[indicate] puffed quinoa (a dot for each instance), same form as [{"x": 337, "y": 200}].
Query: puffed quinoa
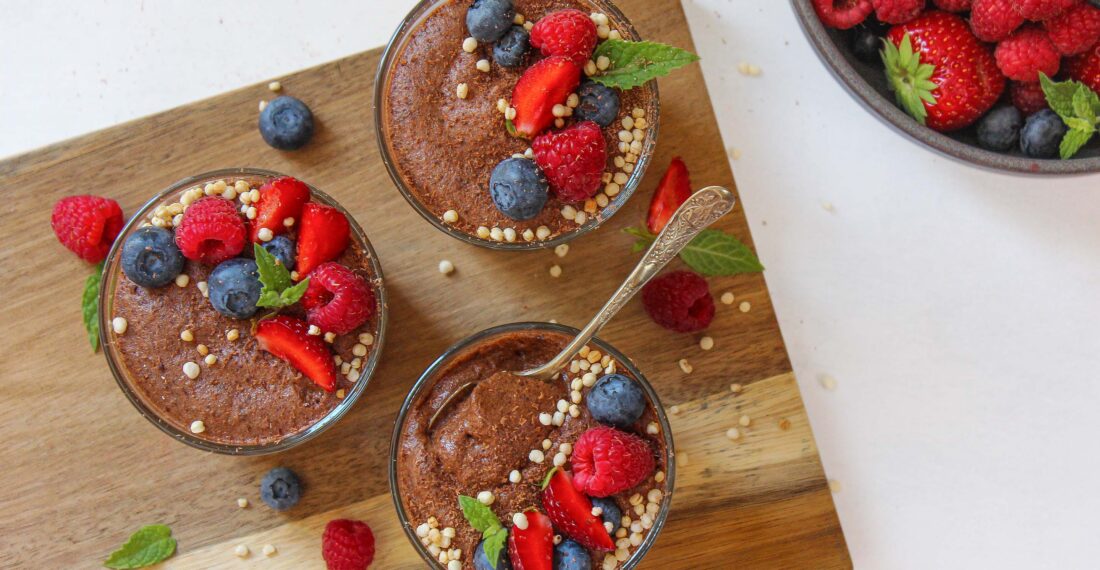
[
  {"x": 233, "y": 334},
  {"x": 450, "y": 216},
  {"x": 197, "y": 426},
  {"x": 469, "y": 45},
  {"x": 119, "y": 325},
  {"x": 446, "y": 267},
  {"x": 462, "y": 90}
]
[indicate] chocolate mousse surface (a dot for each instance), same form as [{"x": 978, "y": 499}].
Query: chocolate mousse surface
[
  {"x": 479, "y": 440},
  {"x": 248, "y": 396},
  {"x": 444, "y": 147}
]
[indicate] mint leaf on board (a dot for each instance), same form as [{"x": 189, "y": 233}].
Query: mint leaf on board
[
  {"x": 149, "y": 545},
  {"x": 711, "y": 253},
  {"x": 89, "y": 306},
  {"x": 478, "y": 515},
  {"x": 634, "y": 63},
  {"x": 278, "y": 289},
  {"x": 494, "y": 540}
]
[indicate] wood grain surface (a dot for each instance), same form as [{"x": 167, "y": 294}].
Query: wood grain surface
[{"x": 82, "y": 470}]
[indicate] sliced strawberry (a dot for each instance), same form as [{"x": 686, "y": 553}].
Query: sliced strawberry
[
  {"x": 673, "y": 190},
  {"x": 323, "y": 235},
  {"x": 288, "y": 338},
  {"x": 571, "y": 512},
  {"x": 532, "y": 548},
  {"x": 545, "y": 84},
  {"x": 280, "y": 199}
]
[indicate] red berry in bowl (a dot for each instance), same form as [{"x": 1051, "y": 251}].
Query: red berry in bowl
[
  {"x": 280, "y": 199},
  {"x": 573, "y": 160},
  {"x": 545, "y": 84},
  {"x": 211, "y": 231},
  {"x": 1039, "y": 10},
  {"x": 953, "y": 5},
  {"x": 608, "y": 461},
  {"x": 679, "y": 301},
  {"x": 1027, "y": 96},
  {"x": 323, "y": 235},
  {"x": 994, "y": 20},
  {"x": 337, "y": 299},
  {"x": 1076, "y": 30},
  {"x": 897, "y": 11},
  {"x": 347, "y": 545},
  {"x": 843, "y": 14},
  {"x": 1027, "y": 53},
  {"x": 1085, "y": 68},
  {"x": 571, "y": 512},
  {"x": 570, "y": 33},
  {"x": 87, "y": 225},
  {"x": 288, "y": 338}
]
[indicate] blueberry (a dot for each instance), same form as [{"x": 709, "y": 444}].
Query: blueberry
[
  {"x": 286, "y": 123},
  {"x": 518, "y": 188},
  {"x": 151, "y": 258},
  {"x": 487, "y": 20},
  {"x": 569, "y": 555},
  {"x": 509, "y": 51},
  {"x": 481, "y": 561},
  {"x": 866, "y": 45},
  {"x": 599, "y": 103},
  {"x": 611, "y": 512},
  {"x": 999, "y": 130},
  {"x": 616, "y": 400},
  {"x": 234, "y": 288},
  {"x": 1042, "y": 134},
  {"x": 280, "y": 489},
  {"x": 282, "y": 248}
]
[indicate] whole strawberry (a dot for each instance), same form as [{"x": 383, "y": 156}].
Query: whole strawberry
[
  {"x": 1076, "y": 30},
  {"x": 570, "y": 33},
  {"x": 347, "y": 545},
  {"x": 949, "y": 79},
  {"x": 994, "y": 20},
  {"x": 1085, "y": 68},
  {"x": 842, "y": 14},
  {"x": 608, "y": 461},
  {"x": 1027, "y": 53},
  {"x": 897, "y": 11},
  {"x": 87, "y": 225},
  {"x": 573, "y": 160}
]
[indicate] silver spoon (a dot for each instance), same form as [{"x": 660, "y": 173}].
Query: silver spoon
[{"x": 702, "y": 209}]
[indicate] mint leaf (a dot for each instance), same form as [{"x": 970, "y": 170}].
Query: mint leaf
[
  {"x": 278, "y": 289},
  {"x": 89, "y": 306},
  {"x": 712, "y": 252},
  {"x": 1059, "y": 95},
  {"x": 634, "y": 63},
  {"x": 1083, "y": 101},
  {"x": 644, "y": 238},
  {"x": 147, "y": 546},
  {"x": 478, "y": 515},
  {"x": 494, "y": 540},
  {"x": 1072, "y": 142}
]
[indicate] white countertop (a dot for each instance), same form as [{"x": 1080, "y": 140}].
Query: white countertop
[{"x": 957, "y": 309}]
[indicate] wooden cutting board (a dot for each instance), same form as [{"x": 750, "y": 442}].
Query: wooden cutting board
[{"x": 82, "y": 470}]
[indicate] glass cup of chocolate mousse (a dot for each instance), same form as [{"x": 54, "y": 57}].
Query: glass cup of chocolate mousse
[
  {"x": 535, "y": 453},
  {"x": 456, "y": 144},
  {"x": 217, "y": 355}
]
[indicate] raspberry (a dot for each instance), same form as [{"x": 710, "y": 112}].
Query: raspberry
[
  {"x": 897, "y": 11},
  {"x": 1027, "y": 52},
  {"x": 843, "y": 14},
  {"x": 1028, "y": 97},
  {"x": 1076, "y": 30},
  {"x": 994, "y": 20},
  {"x": 569, "y": 33},
  {"x": 952, "y": 5},
  {"x": 87, "y": 225},
  {"x": 607, "y": 461},
  {"x": 573, "y": 160},
  {"x": 1085, "y": 68},
  {"x": 679, "y": 301},
  {"x": 337, "y": 299},
  {"x": 1040, "y": 10},
  {"x": 211, "y": 231},
  {"x": 347, "y": 545}
]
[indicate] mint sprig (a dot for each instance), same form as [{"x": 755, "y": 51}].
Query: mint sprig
[
  {"x": 89, "y": 306},
  {"x": 482, "y": 518},
  {"x": 1079, "y": 108},
  {"x": 149, "y": 545},
  {"x": 711, "y": 253},
  {"x": 634, "y": 63},
  {"x": 278, "y": 289}
]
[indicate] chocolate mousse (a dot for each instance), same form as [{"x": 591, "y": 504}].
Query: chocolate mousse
[
  {"x": 502, "y": 438},
  {"x": 443, "y": 115},
  {"x": 208, "y": 374}
]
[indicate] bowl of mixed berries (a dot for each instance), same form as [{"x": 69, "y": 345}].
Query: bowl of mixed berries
[{"x": 1004, "y": 84}]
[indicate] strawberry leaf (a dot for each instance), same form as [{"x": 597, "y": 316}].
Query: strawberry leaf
[
  {"x": 635, "y": 63},
  {"x": 909, "y": 79},
  {"x": 277, "y": 291},
  {"x": 89, "y": 306},
  {"x": 149, "y": 545}
]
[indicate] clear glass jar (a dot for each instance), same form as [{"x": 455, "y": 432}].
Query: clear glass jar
[
  {"x": 111, "y": 276},
  {"x": 428, "y": 379},
  {"x": 422, "y": 10}
]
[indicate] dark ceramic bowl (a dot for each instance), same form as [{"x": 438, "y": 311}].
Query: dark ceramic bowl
[{"x": 867, "y": 84}]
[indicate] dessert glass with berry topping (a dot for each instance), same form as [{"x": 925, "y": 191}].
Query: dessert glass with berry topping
[
  {"x": 494, "y": 124},
  {"x": 521, "y": 472},
  {"x": 242, "y": 311}
]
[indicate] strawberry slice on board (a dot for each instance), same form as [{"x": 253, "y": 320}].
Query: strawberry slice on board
[
  {"x": 532, "y": 548},
  {"x": 672, "y": 191},
  {"x": 288, "y": 338},
  {"x": 545, "y": 84},
  {"x": 571, "y": 512},
  {"x": 280, "y": 199},
  {"x": 323, "y": 235}
]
